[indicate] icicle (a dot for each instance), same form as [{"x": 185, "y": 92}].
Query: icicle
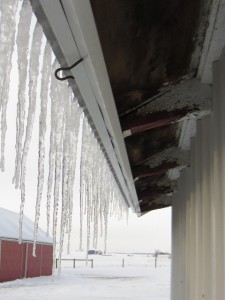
[
  {"x": 59, "y": 125},
  {"x": 74, "y": 133},
  {"x": 45, "y": 80},
  {"x": 84, "y": 165},
  {"x": 65, "y": 174},
  {"x": 52, "y": 150},
  {"x": 33, "y": 76},
  {"x": 105, "y": 210},
  {"x": 7, "y": 40},
  {"x": 101, "y": 194},
  {"x": 95, "y": 178},
  {"x": 54, "y": 94},
  {"x": 71, "y": 129},
  {"x": 22, "y": 51},
  {"x": 85, "y": 179},
  {"x": 81, "y": 186},
  {"x": 69, "y": 166}
]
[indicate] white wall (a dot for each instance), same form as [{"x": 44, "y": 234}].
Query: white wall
[{"x": 198, "y": 210}]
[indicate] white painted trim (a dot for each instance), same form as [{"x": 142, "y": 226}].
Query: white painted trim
[
  {"x": 23, "y": 241},
  {"x": 214, "y": 41},
  {"x": 127, "y": 133}
]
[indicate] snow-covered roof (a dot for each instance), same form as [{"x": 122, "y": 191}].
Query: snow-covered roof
[{"x": 9, "y": 228}]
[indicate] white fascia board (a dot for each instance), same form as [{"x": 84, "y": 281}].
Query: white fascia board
[
  {"x": 214, "y": 41},
  {"x": 82, "y": 24},
  {"x": 75, "y": 33}
]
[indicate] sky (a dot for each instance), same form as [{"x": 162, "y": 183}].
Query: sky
[{"x": 140, "y": 234}]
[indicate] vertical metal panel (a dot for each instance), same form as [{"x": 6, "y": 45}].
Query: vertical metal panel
[
  {"x": 208, "y": 277},
  {"x": 199, "y": 215},
  {"x": 204, "y": 233},
  {"x": 188, "y": 233},
  {"x": 192, "y": 225},
  {"x": 218, "y": 174},
  {"x": 174, "y": 272}
]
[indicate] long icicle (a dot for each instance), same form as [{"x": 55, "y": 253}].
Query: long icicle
[
  {"x": 65, "y": 174},
  {"x": 81, "y": 184},
  {"x": 60, "y": 123},
  {"x": 52, "y": 150},
  {"x": 95, "y": 194},
  {"x": 74, "y": 133},
  {"x": 33, "y": 76},
  {"x": 45, "y": 80},
  {"x": 7, "y": 38},
  {"x": 22, "y": 52}
]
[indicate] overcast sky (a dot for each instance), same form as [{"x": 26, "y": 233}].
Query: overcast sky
[{"x": 142, "y": 234}]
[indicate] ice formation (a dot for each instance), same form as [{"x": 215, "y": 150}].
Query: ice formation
[
  {"x": 7, "y": 37},
  {"x": 33, "y": 77},
  {"x": 22, "y": 54},
  {"x": 45, "y": 84},
  {"x": 53, "y": 95},
  {"x": 99, "y": 194}
]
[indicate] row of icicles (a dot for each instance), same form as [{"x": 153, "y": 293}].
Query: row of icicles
[{"x": 99, "y": 193}]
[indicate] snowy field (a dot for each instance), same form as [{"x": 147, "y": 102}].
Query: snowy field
[{"x": 138, "y": 280}]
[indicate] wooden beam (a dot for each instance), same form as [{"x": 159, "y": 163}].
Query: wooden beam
[
  {"x": 135, "y": 123},
  {"x": 143, "y": 125},
  {"x": 143, "y": 171},
  {"x": 142, "y": 147}
]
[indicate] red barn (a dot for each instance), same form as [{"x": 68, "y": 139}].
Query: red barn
[{"x": 16, "y": 260}]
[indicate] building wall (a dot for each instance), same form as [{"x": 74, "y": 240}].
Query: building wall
[
  {"x": 16, "y": 260},
  {"x": 198, "y": 210}
]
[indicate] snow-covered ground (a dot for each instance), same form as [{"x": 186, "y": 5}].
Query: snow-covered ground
[{"x": 138, "y": 280}]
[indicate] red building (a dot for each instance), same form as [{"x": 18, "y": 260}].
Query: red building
[{"x": 16, "y": 260}]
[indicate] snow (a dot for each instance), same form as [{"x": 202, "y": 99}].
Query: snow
[
  {"x": 139, "y": 279},
  {"x": 9, "y": 228}
]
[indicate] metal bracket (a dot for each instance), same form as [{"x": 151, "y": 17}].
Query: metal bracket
[{"x": 67, "y": 69}]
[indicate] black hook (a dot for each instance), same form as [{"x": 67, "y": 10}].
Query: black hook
[{"x": 67, "y": 69}]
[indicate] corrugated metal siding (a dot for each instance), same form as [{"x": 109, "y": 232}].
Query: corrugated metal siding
[
  {"x": 46, "y": 265},
  {"x": 17, "y": 261},
  {"x": 34, "y": 263},
  {"x": 12, "y": 261}
]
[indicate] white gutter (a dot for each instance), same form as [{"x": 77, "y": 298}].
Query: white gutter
[{"x": 70, "y": 27}]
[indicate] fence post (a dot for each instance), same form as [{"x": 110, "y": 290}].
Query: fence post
[
  {"x": 123, "y": 263},
  {"x": 92, "y": 263},
  {"x": 56, "y": 263},
  {"x": 74, "y": 263},
  {"x": 156, "y": 261}
]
